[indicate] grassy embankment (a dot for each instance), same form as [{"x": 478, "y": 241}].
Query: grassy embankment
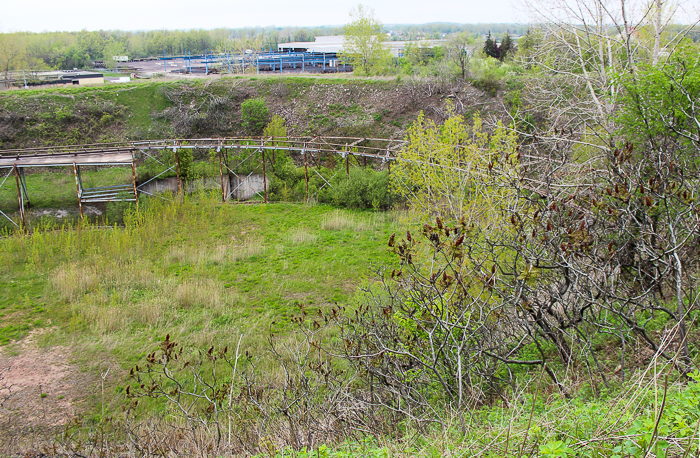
[
  {"x": 207, "y": 273},
  {"x": 338, "y": 106},
  {"x": 200, "y": 270},
  {"x": 204, "y": 272}
]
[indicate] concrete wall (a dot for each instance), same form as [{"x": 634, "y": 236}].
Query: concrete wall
[
  {"x": 160, "y": 186},
  {"x": 244, "y": 188}
]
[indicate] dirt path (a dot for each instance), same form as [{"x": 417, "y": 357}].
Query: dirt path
[{"x": 38, "y": 386}]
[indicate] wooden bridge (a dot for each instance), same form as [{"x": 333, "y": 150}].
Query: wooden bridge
[{"x": 310, "y": 149}]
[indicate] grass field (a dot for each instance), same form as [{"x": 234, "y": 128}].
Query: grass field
[
  {"x": 209, "y": 273},
  {"x": 199, "y": 270}
]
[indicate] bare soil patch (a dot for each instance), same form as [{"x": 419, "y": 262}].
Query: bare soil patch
[{"x": 39, "y": 387}]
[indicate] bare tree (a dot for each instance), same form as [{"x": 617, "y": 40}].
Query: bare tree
[
  {"x": 581, "y": 49},
  {"x": 195, "y": 108}
]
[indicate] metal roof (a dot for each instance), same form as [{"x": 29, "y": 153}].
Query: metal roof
[{"x": 334, "y": 44}]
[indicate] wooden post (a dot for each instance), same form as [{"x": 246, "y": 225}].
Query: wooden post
[
  {"x": 347, "y": 165},
  {"x": 21, "y": 201},
  {"x": 77, "y": 187},
  {"x": 221, "y": 173},
  {"x": 264, "y": 175},
  {"x": 306, "y": 178}
]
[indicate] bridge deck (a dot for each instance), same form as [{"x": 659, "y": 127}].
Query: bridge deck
[
  {"x": 116, "y": 157},
  {"x": 372, "y": 148},
  {"x": 129, "y": 153}
]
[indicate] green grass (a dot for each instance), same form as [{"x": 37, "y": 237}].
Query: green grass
[
  {"x": 57, "y": 189},
  {"x": 52, "y": 115},
  {"x": 74, "y": 115},
  {"x": 199, "y": 270},
  {"x": 207, "y": 273}
]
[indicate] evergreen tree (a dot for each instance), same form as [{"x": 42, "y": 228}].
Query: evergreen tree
[
  {"x": 490, "y": 48},
  {"x": 506, "y": 48}
]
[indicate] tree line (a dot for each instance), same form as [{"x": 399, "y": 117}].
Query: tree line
[{"x": 67, "y": 50}]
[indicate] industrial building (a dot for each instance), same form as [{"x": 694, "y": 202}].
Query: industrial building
[
  {"x": 21, "y": 79},
  {"x": 335, "y": 43}
]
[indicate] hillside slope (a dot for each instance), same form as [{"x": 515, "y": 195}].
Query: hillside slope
[{"x": 197, "y": 108}]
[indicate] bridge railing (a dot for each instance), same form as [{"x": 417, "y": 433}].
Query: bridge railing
[
  {"x": 309, "y": 152},
  {"x": 379, "y": 148}
]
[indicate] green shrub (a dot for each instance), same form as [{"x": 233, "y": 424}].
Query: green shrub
[
  {"x": 186, "y": 165},
  {"x": 254, "y": 114},
  {"x": 487, "y": 83},
  {"x": 365, "y": 188}
]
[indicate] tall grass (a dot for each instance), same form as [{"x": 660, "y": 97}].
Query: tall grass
[
  {"x": 301, "y": 235},
  {"x": 346, "y": 221},
  {"x": 198, "y": 266}
]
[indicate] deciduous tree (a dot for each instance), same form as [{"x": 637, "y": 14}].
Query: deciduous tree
[
  {"x": 461, "y": 47},
  {"x": 443, "y": 167},
  {"x": 363, "y": 47},
  {"x": 254, "y": 113},
  {"x": 13, "y": 54}
]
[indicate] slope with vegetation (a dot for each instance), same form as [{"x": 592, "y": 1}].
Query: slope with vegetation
[
  {"x": 309, "y": 106},
  {"x": 538, "y": 297}
]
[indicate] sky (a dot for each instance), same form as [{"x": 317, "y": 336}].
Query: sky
[{"x": 53, "y": 15}]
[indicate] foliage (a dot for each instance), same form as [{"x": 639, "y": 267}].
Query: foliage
[
  {"x": 418, "y": 58},
  {"x": 185, "y": 163},
  {"x": 442, "y": 168},
  {"x": 491, "y": 75},
  {"x": 280, "y": 161},
  {"x": 275, "y": 128},
  {"x": 461, "y": 48},
  {"x": 363, "y": 47},
  {"x": 567, "y": 268},
  {"x": 364, "y": 189},
  {"x": 659, "y": 108},
  {"x": 116, "y": 211},
  {"x": 254, "y": 114},
  {"x": 490, "y": 47},
  {"x": 12, "y": 55},
  {"x": 66, "y": 50},
  {"x": 506, "y": 48}
]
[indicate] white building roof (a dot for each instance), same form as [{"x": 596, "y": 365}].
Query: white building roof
[{"x": 334, "y": 44}]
